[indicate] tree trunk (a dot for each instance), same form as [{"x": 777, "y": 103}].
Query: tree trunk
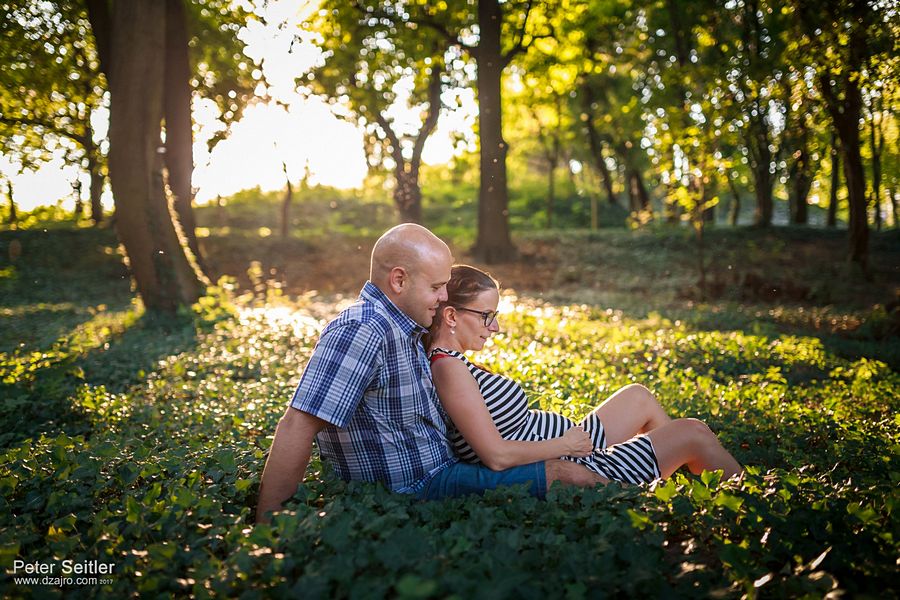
[
  {"x": 286, "y": 205},
  {"x": 96, "y": 175},
  {"x": 551, "y": 192},
  {"x": 799, "y": 183},
  {"x": 845, "y": 113},
  {"x": 876, "y": 172},
  {"x": 835, "y": 181},
  {"x": 13, "y": 216},
  {"x": 96, "y": 188},
  {"x": 101, "y": 27},
  {"x": 856, "y": 193},
  {"x": 179, "y": 137},
  {"x": 892, "y": 193},
  {"x": 407, "y": 192},
  {"x": 408, "y": 195},
  {"x": 634, "y": 204},
  {"x": 736, "y": 204},
  {"x": 79, "y": 204},
  {"x": 493, "y": 243},
  {"x": 164, "y": 276},
  {"x": 596, "y": 144},
  {"x": 637, "y": 192},
  {"x": 799, "y": 178},
  {"x": 762, "y": 188},
  {"x": 799, "y": 196}
]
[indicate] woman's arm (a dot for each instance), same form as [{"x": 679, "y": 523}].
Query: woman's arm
[{"x": 462, "y": 400}]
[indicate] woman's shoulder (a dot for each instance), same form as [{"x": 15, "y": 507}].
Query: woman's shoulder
[{"x": 439, "y": 353}]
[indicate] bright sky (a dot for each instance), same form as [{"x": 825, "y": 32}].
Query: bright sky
[{"x": 267, "y": 134}]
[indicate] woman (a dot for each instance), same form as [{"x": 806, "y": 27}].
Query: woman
[{"x": 628, "y": 438}]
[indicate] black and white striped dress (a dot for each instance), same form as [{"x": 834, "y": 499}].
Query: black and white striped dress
[{"x": 632, "y": 461}]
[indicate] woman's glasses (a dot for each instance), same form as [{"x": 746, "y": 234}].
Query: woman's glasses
[{"x": 487, "y": 315}]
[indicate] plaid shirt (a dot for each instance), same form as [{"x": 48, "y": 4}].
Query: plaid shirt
[{"x": 370, "y": 380}]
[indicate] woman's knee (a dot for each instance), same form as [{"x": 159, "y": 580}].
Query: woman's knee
[
  {"x": 698, "y": 432},
  {"x": 635, "y": 392}
]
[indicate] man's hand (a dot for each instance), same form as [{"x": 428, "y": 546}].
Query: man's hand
[{"x": 287, "y": 462}]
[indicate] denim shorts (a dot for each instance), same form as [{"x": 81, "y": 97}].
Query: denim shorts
[{"x": 461, "y": 479}]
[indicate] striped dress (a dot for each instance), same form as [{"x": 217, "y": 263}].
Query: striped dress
[{"x": 632, "y": 461}]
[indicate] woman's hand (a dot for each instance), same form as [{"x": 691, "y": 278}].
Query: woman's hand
[{"x": 577, "y": 442}]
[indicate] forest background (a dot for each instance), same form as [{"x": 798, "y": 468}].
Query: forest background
[{"x": 700, "y": 196}]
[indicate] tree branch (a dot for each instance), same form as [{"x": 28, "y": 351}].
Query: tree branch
[
  {"x": 396, "y": 149},
  {"x": 520, "y": 46},
  {"x": 80, "y": 138},
  {"x": 451, "y": 37},
  {"x": 434, "y": 111}
]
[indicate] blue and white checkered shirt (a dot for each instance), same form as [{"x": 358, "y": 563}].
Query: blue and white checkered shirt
[{"x": 370, "y": 379}]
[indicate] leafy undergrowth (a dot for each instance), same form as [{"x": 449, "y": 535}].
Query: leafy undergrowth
[{"x": 161, "y": 475}]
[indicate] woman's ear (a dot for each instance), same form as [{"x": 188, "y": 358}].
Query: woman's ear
[
  {"x": 398, "y": 279},
  {"x": 449, "y": 315}
]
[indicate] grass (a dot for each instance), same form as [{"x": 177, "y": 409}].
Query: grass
[{"x": 140, "y": 442}]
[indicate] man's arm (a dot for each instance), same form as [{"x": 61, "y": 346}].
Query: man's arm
[{"x": 288, "y": 459}]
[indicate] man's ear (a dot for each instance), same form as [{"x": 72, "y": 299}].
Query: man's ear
[{"x": 398, "y": 278}]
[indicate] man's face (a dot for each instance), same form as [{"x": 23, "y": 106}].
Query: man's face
[{"x": 426, "y": 288}]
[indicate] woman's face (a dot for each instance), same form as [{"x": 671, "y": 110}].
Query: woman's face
[{"x": 470, "y": 329}]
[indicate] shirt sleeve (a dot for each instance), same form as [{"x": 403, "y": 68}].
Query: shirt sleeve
[{"x": 343, "y": 365}]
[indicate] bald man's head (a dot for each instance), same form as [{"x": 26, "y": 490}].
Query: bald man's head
[
  {"x": 407, "y": 246},
  {"x": 411, "y": 266}
]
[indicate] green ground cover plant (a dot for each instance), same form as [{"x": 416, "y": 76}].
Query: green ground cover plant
[{"x": 140, "y": 442}]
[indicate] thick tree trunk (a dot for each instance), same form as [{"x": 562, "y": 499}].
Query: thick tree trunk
[
  {"x": 100, "y": 19},
  {"x": 762, "y": 189},
  {"x": 845, "y": 114},
  {"x": 408, "y": 195},
  {"x": 799, "y": 191},
  {"x": 179, "y": 136},
  {"x": 164, "y": 276},
  {"x": 493, "y": 243},
  {"x": 856, "y": 193},
  {"x": 835, "y": 181},
  {"x": 761, "y": 157}
]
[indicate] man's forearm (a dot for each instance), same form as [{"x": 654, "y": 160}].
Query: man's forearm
[{"x": 287, "y": 462}]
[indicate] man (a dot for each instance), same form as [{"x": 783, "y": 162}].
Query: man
[{"x": 367, "y": 396}]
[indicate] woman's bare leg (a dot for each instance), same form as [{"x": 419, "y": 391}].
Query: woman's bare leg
[
  {"x": 690, "y": 442},
  {"x": 631, "y": 410}
]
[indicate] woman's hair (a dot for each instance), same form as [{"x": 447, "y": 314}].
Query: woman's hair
[{"x": 465, "y": 284}]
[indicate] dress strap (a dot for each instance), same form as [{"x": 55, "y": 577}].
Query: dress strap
[{"x": 436, "y": 357}]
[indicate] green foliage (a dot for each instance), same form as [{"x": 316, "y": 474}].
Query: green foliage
[
  {"x": 52, "y": 83},
  {"x": 159, "y": 430}
]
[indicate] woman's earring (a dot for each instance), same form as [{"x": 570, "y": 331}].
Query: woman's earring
[{"x": 452, "y": 331}]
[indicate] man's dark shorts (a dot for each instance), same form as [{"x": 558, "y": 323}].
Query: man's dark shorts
[{"x": 461, "y": 479}]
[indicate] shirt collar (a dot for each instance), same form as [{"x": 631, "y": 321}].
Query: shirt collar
[{"x": 373, "y": 293}]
